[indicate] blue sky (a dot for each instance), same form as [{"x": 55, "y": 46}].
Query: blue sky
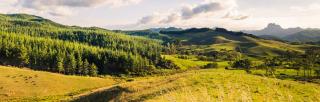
[{"x": 142, "y": 14}]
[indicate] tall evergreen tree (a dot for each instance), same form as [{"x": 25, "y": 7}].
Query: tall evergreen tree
[
  {"x": 93, "y": 70},
  {"x": 86, "y": 66},
  {"x": 59, "y": 63},
  {"x": 23, "y": 56}
]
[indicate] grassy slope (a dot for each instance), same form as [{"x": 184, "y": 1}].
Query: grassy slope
[
  {"x": 20, "y": 84},
  {"x": 249, "y": 45},
  {"x": 185, "y": 63},
  {"x": 217, "y": 85},
  {"x": 259, "y": 47},
  {"x": 209, "y": 85},
  {"x": 198, "y": 85}
]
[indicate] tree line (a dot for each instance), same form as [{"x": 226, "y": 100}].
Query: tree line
[
  {"x": 305, "y": 64},
  {"x": 67, "y": 57},
  {"x": 30, "y": 41}
]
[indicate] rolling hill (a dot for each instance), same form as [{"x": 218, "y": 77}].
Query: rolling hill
[
  {"x": 308, "y": 35},
  {"x": 41, "y": 44},
  {"x": 209, "y": 85},
  {"x": 26, "y": 85},
  {"x": 157, "y": 30},
  {"x": 222, "y": 39},
  {"x": 205, "y": 39}
]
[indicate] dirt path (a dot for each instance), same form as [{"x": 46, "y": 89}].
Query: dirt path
[{"x": 93, "y": 91}]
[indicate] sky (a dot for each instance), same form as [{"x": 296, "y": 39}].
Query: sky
[{"x": 143, "y": 14}]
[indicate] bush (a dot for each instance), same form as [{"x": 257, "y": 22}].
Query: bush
[
  {"x": 242, "y": 64},
  {"x": 211, "y": 65},
  {"x": 184, "y": 57},
  {"x": 168, "y": 64}
]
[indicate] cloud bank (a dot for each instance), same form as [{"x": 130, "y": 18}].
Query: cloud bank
[
  {"x": 189, "y": 12},
  {"x": 64, "y": 7},
  {"x": 311, "y": 7},
  {"x": 210, "y": 8}
]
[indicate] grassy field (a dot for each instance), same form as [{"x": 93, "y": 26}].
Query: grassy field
[
  {"x": 259, "y": 47},
  {"x": 212, "y": 85},
  {"x": 289, "y": 74},
  {"x": 22, "y": 84},
  {"x": 185, "y": 63},
  {"x": 205, "y": 85}
]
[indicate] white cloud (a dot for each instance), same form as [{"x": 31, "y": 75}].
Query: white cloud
[
  {"x": 171, "y": 19},
  {"x": 39, "y": 4},
  {"x": 65, "y": 7},
  {"x": 149, "y": 19},
  {"x": 235, "y": 15},
  {"x": 310, "y": 7},
  {"x": 209, "y": 9},
  {"x": 189, "y": 12}
]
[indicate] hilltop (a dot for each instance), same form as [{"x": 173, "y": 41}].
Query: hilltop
[{"x": 207, "y": 39}]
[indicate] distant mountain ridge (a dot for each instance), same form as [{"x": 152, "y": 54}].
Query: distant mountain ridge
[
  {"x": 157, "y": 30},
  {"x": 275, "y": 30},
  {"x": 308, "y": 35}
]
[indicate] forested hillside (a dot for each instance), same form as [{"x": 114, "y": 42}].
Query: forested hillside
[{"x": 41, "y": 44}]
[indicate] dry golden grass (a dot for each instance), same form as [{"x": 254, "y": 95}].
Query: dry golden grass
[
  {"x": 27, "y": 85},
  {"x": 208, "y": 85},
  {"x": 186, "y": 63},
  {"x": 217, "y": 85}
]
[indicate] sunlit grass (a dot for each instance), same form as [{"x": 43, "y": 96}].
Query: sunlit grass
[
  {"x": 220, "y": 85},
  {"x": 227, "y": 46},
  {"x": 289, "y": 74},
  {"x": 186, "y": 63},
  {"x": 21, "y": 84}
]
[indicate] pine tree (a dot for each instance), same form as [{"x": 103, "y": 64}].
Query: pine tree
[
  {"x": 72, "y": 64},
  {"x": 93, "y": 70},
  {"x": 59, "y": 63},
  {"x": 86, "y": 66},
  {"x": 79, "y": 64},
  {"x": 23, "y": 56}
]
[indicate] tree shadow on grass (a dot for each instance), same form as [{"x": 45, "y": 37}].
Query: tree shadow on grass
[
  {"x": 123, "y": 94},
  {"x": 112, "y": 94},
  {"x": 282, "y": 76}
]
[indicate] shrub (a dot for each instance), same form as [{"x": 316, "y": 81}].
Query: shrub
[
  {"x": 211, "y": 65},
  {"x": 184, "y": 57},
  {"x": 242, "y": 64},
  {"x": 168, "y": 64}
]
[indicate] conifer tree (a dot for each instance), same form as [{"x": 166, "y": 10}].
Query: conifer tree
[
  {"x": 93, "y": 70},
  {"x": 59, "y": 63},
  {"x": 23, "y": 56},
  {"x": 86, "y": 66}
]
